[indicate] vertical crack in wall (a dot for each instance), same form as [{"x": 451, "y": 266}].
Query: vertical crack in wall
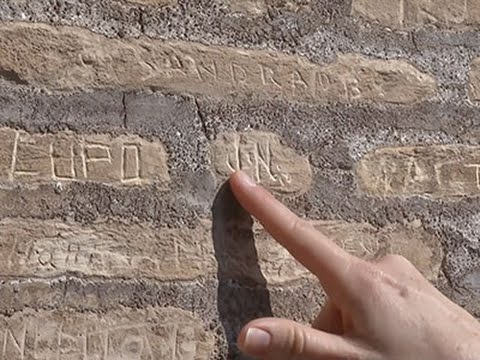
[
  {"x": 208, "y": 134},
  {"x": 124, "y": 109}
]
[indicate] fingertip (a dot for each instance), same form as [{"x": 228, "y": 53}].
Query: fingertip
[
  {"x": 240, "y": 180},
  {"x": 255, "y": 338}
]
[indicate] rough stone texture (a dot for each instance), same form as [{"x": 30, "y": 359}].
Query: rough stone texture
[
  {"x": 152, "y": 333},
  {"x": 344, "y": 94}
]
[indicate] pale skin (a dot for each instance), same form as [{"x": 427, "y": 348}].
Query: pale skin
[{"x": 375, "y": 311}]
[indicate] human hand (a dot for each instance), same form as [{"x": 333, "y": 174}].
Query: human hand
[{"x": 375, "y": 311}]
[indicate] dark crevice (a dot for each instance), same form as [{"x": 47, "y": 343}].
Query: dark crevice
[
  {"x": 124, "y": 109},
  {"x": 12, "y": 76},
  {"x": 203, "y": 121},
  {"x": 141, "y": 21}
]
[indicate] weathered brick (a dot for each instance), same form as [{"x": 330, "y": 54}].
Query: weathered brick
[
  {"x": 263, "y": 157},
  {"x": 32, "y": 248},
  {"x": 439, "y": 171},
  {"x": 366, "y": 242},
  {"x": 153, "y": 333},
  {"x": 386, "y": 12},
  {"x": 399, "y": 13},
  {"x": 65, "y": 157},
  {"x": 66, "y": 58},
  {"x": 260, "y": 7},
  {"x": 475, "y": 80},
  {"x": 159, "y": 3}
]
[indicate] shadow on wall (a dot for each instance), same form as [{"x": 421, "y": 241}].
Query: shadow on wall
[{"x": 242, "y": 293}]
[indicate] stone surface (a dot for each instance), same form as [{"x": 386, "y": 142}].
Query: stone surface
[
  {"x": 390, "y": 12},
  {"x": 328, "y": 82},
  {"x": 475, "y": 80},
  {"x": 153, "y": 2},
  {"x": 71, "y": 58},
  {"x": 260, "y": 7},
  {"x": 66, "y": 157},
  {"x": 399, "y": 13},
  {"x": 46, "y": 249},
  {"x": 152, "y": 333},
  {"x": 439, "y": 171},
  {"x": 264, "y": 158}
]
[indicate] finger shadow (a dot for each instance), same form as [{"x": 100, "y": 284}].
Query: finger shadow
[{"x": 242, "y": 293}]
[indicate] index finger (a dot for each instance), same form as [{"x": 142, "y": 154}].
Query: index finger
[{"x": 314, "y": 250}]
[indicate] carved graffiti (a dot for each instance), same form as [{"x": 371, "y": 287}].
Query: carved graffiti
[
  {"x": 126, "y": 160},
  {"x": 400, "y": 13},
  {"x": 433, "y": 170},
  {"x": 196, "y": 68},
  {"x": 53, "y": 249},
  {"x": 263, "y": 157},
  {"x": 152, "y": 334}
]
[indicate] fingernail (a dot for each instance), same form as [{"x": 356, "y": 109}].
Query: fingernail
[
  {"x": 245, "y": 179},
  {"x": 257, "y": 341}
]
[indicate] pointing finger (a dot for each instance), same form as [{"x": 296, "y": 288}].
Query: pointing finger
[{"x": 313, "y": 249}]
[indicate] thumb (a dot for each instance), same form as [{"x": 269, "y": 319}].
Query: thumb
[{"x": 284, "y": 340}]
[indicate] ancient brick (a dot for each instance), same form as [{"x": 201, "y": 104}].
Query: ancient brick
[
  {"x": 251, "y": 7},
  {"x": 413, "y": 13},
  {"x": 153, "y": 333},
  {"x": 369, "y": 243},
  {"x": 475, "y": 80},
  {"x": 66, "y": 58},
  {"x": 47, "y": 249},
  {"x": 32, "y": 248},
  {"x": 388, "y": 12},
  {"x": 63, "y": 157},
  {"x": 439, "y": 171},
  {"x": 158, "y": 3},
  {"x": 263, "y": 157},
  {"x": 446, "y": 13}
]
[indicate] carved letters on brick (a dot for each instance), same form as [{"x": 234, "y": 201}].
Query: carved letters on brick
[
  {"x": 264, "y": 158},
  {"x": 46, "y": 249},
  {"x": 66, "y": 157},
  {"x": 93, "y": 61},
  {"x": 439, "y": 171},
  {"x": 150, "y": 334},
  {"x": 403, "y": 13}
]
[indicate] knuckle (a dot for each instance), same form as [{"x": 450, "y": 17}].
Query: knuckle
[
  {"x": 298, "y": 225},
  {"x": 297, "y": 340},
  {"x": 396, "y": 260},
  {"x": 370, "y": 278}
]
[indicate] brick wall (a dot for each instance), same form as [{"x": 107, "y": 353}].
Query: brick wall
[{"x": 119, "y": 121}]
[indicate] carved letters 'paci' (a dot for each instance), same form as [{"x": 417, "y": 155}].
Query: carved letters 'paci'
[
  {"x": 150, "y": 334},
  {"x": 63, "y": 157},
  {"x": 264, "y": 158},
  {"x": 440, "y": 171},
  {"x": 65, "y": 58}
]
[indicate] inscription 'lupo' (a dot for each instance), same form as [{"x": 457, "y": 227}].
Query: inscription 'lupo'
[
  {"x": 263, "y": 157},
  {"x": 441, "y": 171},
  {"x": 151, "y": 334},
  {"x": 62, "y": 157}
]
